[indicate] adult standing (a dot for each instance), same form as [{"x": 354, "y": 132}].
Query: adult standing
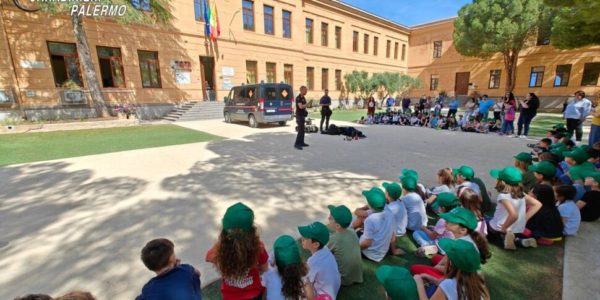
[
  {"x": 575, "y": 113},
  {"x": 371, "y": 106},
  {"x": 470, "y": 109},
  {"x": 422, "y": 102},
  {"x": 595, "y": 130},
  {"x": 406, "y": 105},
  {"x": 498, "y": 109},
  {"x": 301, "y": 114},
  {"x": 390, "y": 102},
  {"x": 484, "y": 107},
  {"x": 453, "y": 108},
  {"x": 326, "y": 112},
  {"x": 528, "y": 110}
]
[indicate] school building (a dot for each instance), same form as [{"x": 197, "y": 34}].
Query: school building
[{"x": 309, "y": 42}]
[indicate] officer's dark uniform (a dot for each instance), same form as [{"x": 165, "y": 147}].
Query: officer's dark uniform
[
  {"x": 325, "y": 112},
  {"x": 300, "y": 120}
]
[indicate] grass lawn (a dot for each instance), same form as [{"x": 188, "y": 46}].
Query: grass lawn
[
  {"x": 29, "y": 147},
  {"x": 538, "y": 128},
  {"x": 522, "y": 274}
]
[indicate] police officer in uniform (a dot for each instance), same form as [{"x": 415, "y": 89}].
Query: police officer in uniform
[
  {"x": 325, "y": 110},
  {"x": 301, "y": 114}
]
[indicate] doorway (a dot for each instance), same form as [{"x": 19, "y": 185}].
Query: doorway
[
  {"x": 207, "y": 72},
  {"x": 461, "y": 86}
]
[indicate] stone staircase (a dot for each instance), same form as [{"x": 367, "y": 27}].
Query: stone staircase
[{"x": 196, "y": 111}]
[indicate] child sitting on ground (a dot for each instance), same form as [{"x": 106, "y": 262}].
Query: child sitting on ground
[
  {"x": 523, "y": 161},
  {"x": 378, "y": 227},
  {"x": 285, "y": 277},
  {"x": 463, "y": 176},
  {"x": 546, "y": 223},
  {"x": 589, "y": 204},
  {"x": 470, "y": 200},
  {"x": 446, "y": 181},
  {"x": 511, "y": 216},
  {"x": 569, "y": 211},
  {"x": 393, "y": 191},
  {"x": 397, "y": 282},
  {"x": 344, "y": 245},
  {"x": 426, "y": 237},
  {"x": 173, "y": 280},
  {"x": 239, "y": 255},
  {"x": 415, "y": 208},
  {"x": 323, "y": 272}
]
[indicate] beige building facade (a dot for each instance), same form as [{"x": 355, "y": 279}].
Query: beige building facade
[{"x": 308, "y": 42}]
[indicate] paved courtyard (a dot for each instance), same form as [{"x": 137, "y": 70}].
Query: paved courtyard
[{"x": 80, "y": 223}]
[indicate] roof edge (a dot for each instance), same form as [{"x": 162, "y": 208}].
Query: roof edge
[
  {"x": 434, "y": 22},
  {"x": 343, "y": 3}
]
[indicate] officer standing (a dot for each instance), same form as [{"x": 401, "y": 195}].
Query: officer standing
[
  {"x": 301, "y": 114},
  {"x": 325, "y": 110}
]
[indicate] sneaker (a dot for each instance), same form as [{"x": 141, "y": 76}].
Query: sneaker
[
  {"x": 531, "y": 243},
  {"x": 509, "y": 241},
  {"x": 427, "y": 251},
  {"x": 523, "y": 136}
]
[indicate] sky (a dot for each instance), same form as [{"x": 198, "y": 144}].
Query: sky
[{"x": 410, "y": 12}]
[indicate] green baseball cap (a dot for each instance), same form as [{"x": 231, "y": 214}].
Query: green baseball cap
[
  {"x": 593, "y": 174},
  {"x": 510, "y": 175},
  {"x": 461, "y": 216},
  {"x": 409, "y": 182},
  {"x": 398, "y": 282},
  {"x": 578, "y": 155},
  {"x": 238, "y": 216},
  {"x": 286, "y": 251},
  {"x": 375, "y": 198},
  {"x": 466, "y": 172},
  {"x": 524, "y": 157},
  {"x": 410, "y": 172},
  {"x": 393, "y": 189},
  {"x": 461, "y": 253},
  {"x": 445, "y": 200},
  {"x": 316, "y": 231},
  {"x": 544, "y": 167},
  {"x": 341, "y": 214}
]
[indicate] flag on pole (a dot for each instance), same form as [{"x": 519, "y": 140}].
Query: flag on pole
[
  {"x": 206, "y": 10},
  {"x": 214, "y": 32}
]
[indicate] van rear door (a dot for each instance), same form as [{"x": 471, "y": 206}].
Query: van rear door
[{"x": 278, "y": 100}]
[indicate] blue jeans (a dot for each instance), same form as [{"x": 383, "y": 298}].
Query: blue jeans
[
  {"x": 524, "y": 120},
  {"x": 508, "y": 127},
  {"x": 594, "y": 134},
  {"x": 422, "y": 238}
]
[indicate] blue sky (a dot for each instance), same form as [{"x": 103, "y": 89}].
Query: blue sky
[{"x": 410, "y": 12}]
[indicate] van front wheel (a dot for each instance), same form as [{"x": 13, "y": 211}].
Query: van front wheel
[
  {"x": 282, "y": 123},
  {"x": 252, "y": 121}
]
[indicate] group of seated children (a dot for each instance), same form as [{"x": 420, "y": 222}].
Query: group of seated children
[
  {"x": 418, "y": 119},
  {"x": 536, "y": 204}
]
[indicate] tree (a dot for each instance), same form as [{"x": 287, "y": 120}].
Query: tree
[
  {"x": 487, "y": 27},
  {"x": 159, "y": 14},
  {"x": 407, "y": 83},
  {"x": 576, "y": 23},
  {"x": 359, "y": 83}
]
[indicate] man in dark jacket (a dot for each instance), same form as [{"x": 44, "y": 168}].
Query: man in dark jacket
[{"x": 528, "y": 110}]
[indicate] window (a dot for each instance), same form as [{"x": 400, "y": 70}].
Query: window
[
  {"x": 309, "y": 31},
  {"x": 286, "y": 17},
  {"x": 310, "y": 78},
  {"x": 271, "y": 72},
  {"x": 395, "y": 50},
  {"x": 366, "y": 43},
  {"x": 403, "y": 52},
  {"x": 590, "y": 74},
  {"x": 149, "y": 68},
  {"x": 563, "y": 72},
  {"x": 375, "y": 46},
  {"x": 338, "y": 80},
  {"x": 355, "y": 41},
  {"x": 251, "y": 72},
  {"x": 338, "y": 37},
  {"x": 65, "y": 63},
  {"x": 268, "y": 12},
  {"x": 495, "y": 79},
  {"x": 198, "y": 10},
  {"x": 536, "y": 77},
  {"x": 437, "y": 49},
  {"x": 324, "y": 79},
  {"x": 111, "y": 67},
  {"x": 324, "y": 34},
  {"x": 388, "y": 49},
  {"x": 435, "y": 81},
  {"x": 248, "y": 14},
  {"x": 288, "y": 74}
]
